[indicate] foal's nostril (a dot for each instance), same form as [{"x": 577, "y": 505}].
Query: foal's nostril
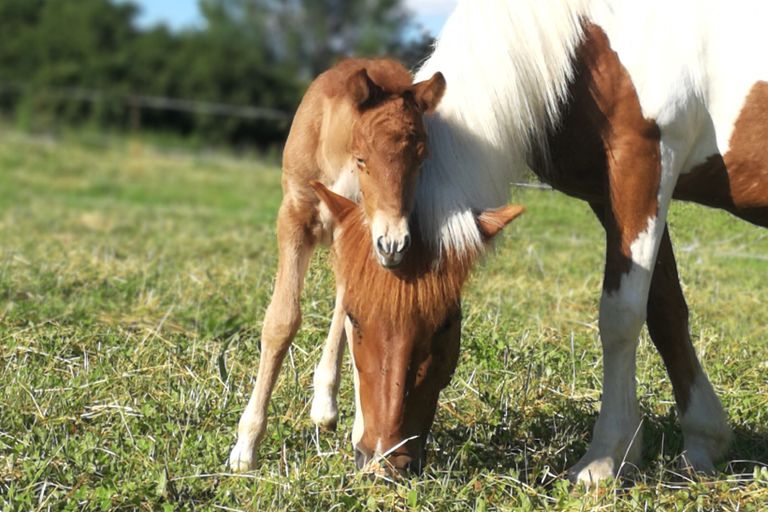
[
  {"x": 406, "y": 244},
  {"x": 380, "y": 245},
  {"x": 360, "y": 459},
  {"x": 415, "y": 467}
]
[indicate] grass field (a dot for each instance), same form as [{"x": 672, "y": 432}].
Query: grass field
[{"x": 132, "y": 288}]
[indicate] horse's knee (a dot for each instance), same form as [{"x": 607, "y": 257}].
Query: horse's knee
[
  {"x": 622, "y": 314},
  {"x": 280, "y": 326}
]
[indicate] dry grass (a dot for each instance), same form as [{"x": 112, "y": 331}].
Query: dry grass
[{"x": 133, "y": 285}]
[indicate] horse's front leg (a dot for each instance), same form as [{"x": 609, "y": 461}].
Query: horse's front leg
[
  {"x": 325, "y": 412},
  {"x": 634, "y": 216},
  {"x": 281, "y": 322}
]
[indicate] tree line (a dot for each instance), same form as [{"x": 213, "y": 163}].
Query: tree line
[{"x": 55, "y": 54}]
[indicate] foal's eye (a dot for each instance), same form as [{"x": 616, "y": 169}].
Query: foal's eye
[{"x": 360, "y": 162}]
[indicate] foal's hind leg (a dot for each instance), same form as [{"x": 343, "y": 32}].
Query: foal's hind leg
[
  {"x": 703, "y": 420},
  {"x": 281, "y": 322},
  {"x": 325, "y": 412}
]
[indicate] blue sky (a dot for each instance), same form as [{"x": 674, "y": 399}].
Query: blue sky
[
  {"x": 182, "y": 13},
  {"x": 175, "y": 13}
]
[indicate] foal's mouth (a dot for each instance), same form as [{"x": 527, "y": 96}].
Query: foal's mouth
[
  {"x": 390, "y": 262},
  {"x": 392, "y": 253},
  {"x": 393, "y": 466}
]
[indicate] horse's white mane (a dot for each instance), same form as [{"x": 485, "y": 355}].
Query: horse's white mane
[{"x": 507, "y": 65}]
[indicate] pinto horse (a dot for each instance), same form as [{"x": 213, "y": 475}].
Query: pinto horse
[
  {"x": 403, "y": 327},
  {"x": 626, "y": 105},
  {"x": 359, "y": 129}
]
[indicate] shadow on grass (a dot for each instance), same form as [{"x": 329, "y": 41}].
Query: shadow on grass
[
  {"x": 664, "y": 442},
  {"x": 749, "y": 448},
  {"x": 529, "y": 443},
  {"x": 539, "y": 447}
]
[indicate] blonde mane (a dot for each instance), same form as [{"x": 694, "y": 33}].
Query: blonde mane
[{"x": 507, "y": 67}]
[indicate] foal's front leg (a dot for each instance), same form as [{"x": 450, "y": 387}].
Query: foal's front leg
[
  {"x": 325, "y": 412},
  {"x": 281, "y": 322}
]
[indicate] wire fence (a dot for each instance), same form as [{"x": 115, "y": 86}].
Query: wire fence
[{"x": 137, "y": 102}]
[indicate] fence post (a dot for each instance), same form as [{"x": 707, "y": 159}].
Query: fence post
[{"x": 135, "y": 126}]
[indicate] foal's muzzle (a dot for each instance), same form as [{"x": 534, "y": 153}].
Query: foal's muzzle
[
  {"x": 394, "y": 464},
  {"x": 390, "y": 251}
]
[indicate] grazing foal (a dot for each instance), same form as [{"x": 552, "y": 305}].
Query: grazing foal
[
  {"x": 403, "y": 328},
  {"x": 359, "y": 130}
]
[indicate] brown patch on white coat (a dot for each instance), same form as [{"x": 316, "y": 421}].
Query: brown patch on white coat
[
  {"x": 738, "y": 181},
  {"x": 359, "y": 128},
  {"x": 406, "y": 326},
  {"x": 606, "y": 152}
]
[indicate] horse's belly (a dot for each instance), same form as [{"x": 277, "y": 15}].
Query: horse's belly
[{"x": 737, "y": 181}]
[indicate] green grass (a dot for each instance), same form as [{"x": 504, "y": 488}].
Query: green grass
[{"x": 132, "y": 288}]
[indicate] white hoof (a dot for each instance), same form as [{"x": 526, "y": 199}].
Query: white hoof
[
  {"x": 705, "y": 428},
  {"x": 594, "y": 471},
  {"x": 607, "y": 460},
  {"x": 324, "y": 412},
  {"x": 242, "y": 458}
]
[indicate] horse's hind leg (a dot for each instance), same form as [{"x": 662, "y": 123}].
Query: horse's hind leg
[
  {"x": 702, "y": 418},
  {"x": 324, "y": 412},
  {"x": 281, "y": 322}
]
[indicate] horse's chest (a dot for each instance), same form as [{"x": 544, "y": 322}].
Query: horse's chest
[{"x": 346, "y": 184}]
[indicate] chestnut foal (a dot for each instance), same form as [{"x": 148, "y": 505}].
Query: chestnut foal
[
  {"x": 403, "y": 328},
  {"x": 359, "y": 130}
]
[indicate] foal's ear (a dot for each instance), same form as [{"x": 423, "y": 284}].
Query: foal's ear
[
  {"x": 361, "y": 88},
  {"x": 339, "y": 206},
  {"x": 491, "y": 222},
  {"x": 429, "y": 92}
]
